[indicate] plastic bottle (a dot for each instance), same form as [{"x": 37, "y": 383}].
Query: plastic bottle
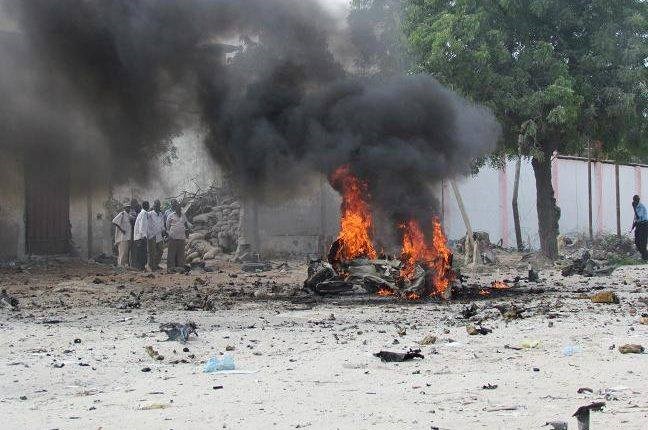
[
  {"x": 569, "y": 350},
  {"x": 215, "y": 365}
]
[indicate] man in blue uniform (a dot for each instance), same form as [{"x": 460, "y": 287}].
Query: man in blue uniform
[{"x": 640, "y": 226}]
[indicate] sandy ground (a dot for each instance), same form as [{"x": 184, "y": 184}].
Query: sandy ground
[{"x": 309, "y": 363}]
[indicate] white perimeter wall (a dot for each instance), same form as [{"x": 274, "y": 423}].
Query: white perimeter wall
[{"x": 487, "y": 197}]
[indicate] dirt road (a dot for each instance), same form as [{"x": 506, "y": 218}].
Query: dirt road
[{"x": 73, "y": 354}]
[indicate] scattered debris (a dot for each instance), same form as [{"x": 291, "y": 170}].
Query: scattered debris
[
  {"x": 428, "y": 340},
  {"x": 154, "y": 406},
  {"x": 402, "y": 331},
  {"x": 131, "y": 301},
  {"x": 582, "y": 414},
  {"x": 503, "y": 408},
  {"x": 153, "y": 353},
  {"x": 7, "y": 301},
  {"x": 200, "y": 303},
  {"x": 605, "y": 297},
  {"x": 557, "y": 425},
  {"x": 586, "y": 266},
  {"x": 475, "y": 330},
  {"x": 179, "y": 332},
  {"x": 533, "y": 276},
  {"x": 389, "y": 357},
  {"x": 529, "y": 344},
  {"x": 631, "y": 348},
  {"x": 510, "y": 312},
  {"x": 253, "y": 266},
  {"x": 469, "y": 311}
]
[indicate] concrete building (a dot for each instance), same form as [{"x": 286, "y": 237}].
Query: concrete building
[{"x": 47, "y": 209}]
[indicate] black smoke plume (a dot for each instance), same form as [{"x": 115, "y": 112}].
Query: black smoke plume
[{"x": 123, "y": 77}]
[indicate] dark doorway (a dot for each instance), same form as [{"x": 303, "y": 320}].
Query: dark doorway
[{"x": 48, "y": 205}]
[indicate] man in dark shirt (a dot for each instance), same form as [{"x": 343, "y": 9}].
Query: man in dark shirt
[{"x": 640, "y": 226}]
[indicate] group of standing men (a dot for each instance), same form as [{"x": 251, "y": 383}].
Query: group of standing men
[{"x": 140, "y": 234}]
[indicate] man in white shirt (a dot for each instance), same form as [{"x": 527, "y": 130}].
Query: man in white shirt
[
  {"x": 177, "y": 228},
  {"x": 140, "y": 237},
  {"x": 155, "y": 239},
  {"x": 123, "y": 235}
]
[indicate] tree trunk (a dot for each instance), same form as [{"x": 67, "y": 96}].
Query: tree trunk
[
  {"x": 514, "y": 203},
  {"x": 548, "y": 212}
]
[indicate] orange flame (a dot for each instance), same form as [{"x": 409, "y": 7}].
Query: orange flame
[
  {"x": 499, "y": 285},
  {"x": 355, "y": 238},
  {"x": 435, "y": 256},
  {"x": 384, "y": 292},
  {"x": 356, "y": 220},
  {"x": 415, "y": 250},
  {"x": 442, "y": 274},
  {"x": 411, "y": 295}
]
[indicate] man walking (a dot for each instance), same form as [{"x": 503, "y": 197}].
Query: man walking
[
  {"x": 140, "y": 237},
  {"x": 640, "y": 226},
  {"x": 177, "y": 228},
  {"x": 155, "y": 233},
  {"x": 123, "y": 234}
]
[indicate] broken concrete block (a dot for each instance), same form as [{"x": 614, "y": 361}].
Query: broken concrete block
[
  {"x": 631, "y": 348},
  {"x": 605, "y": 297}
]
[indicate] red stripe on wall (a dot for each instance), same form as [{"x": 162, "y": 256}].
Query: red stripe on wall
[{"x": 504, "y": 207}]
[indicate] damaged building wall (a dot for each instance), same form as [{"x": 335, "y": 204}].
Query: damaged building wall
[
  {"x": 304, "y": 225},
  {"x": 87, "y": 226},
  {"x": 90, "y": 221},
  {"x": 12, "y": 208}
]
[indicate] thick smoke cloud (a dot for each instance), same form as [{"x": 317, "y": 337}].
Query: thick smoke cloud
[{"x": 129, "y": 75}]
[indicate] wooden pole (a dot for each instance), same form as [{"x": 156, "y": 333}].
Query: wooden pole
[
  {"x": 618, "y": 199},
  {"x": 589, "y": 186},
  {"x": 468, "y": 245}
]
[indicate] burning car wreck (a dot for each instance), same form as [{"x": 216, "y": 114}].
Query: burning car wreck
[{"x": 422, "y": 268}]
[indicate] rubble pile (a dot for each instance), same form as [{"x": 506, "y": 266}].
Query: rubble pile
[
  {"x": 616, "y": 250},
  {"x": 585, "y": 265},
  {"x": 216, "y": 218},
  {"x": 485, "y": 249}
]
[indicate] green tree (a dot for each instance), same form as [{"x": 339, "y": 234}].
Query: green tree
[{"x": 558, "y": 73}]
